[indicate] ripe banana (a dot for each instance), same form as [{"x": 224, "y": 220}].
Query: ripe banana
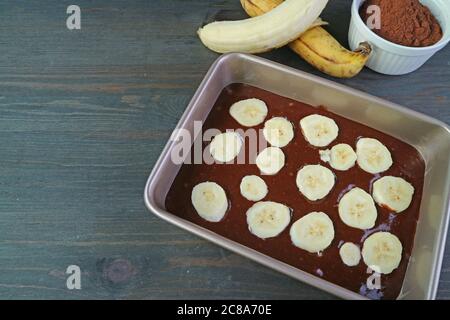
[
  {"x": 373, "y": 156},
  {"x": 270, "y": 160},
  {"x": 249, "y": 112},
  {"x": 224, "y": 147},
  {"x": 350, "y": 254},
  {"x": 382, "y": 252},
  {"x": 268, "y": 219},
  {"x": 357, "y": 209},
  {"x": 278, "y": 131},
  {"x": 317, "y": 46},
  {"x": 315, "y": 181},
  {"x": 393, "y": 193},
  {"x": 313, "y": 232},
  {"x": 271, "y": 30},
  {"x": 341, "y": 157},
  {"x": 210, "y": 201},
  {"x": 253, "y": 188},
  {"x": 318, "y": 130}
]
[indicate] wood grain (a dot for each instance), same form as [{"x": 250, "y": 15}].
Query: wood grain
[{"x": 83, "y": 117}]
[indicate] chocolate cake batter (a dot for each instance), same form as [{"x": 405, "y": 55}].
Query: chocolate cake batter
[{"x": 408, "y": 164}]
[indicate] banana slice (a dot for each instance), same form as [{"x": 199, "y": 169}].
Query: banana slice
[
  {"x": 318, "y": 130},
  {"x": 357, "y": 209},
  {"x": 341, "y": 157},
  {"x": 270, "y": 160},
  {"x": 226, "y": 146},
  {"x": 268, "y": 219},
  {"x": 315, "y": 181},
  {"x": 253, "y": 188},
  {"x": 249, "y": 112},
  {"x": 350, "y": 254},
  {"x": 210, "y": 201},
  {"x": 325, "y": 155},
  {"x": 382, "y": 252},
  {"x": 278, "y": 131},
  {"x": 393, "y": 193},
  {"x": 313, "y": 232},
  {"x": 373, "y": 156}
]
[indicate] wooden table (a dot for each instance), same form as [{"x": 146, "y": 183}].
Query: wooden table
[{"x": 84, "y": 115}]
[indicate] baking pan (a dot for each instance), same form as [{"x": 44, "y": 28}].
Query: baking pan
[{"x": 429, "y": 136}]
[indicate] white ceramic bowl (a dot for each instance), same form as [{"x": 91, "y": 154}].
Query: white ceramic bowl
[{"x": 393, "y": 59}]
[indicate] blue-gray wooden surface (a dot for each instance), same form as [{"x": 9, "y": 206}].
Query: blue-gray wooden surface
[{"x": 83, "y": 117}]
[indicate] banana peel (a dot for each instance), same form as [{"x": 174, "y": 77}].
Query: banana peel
[{"x": 317, "y": 46}]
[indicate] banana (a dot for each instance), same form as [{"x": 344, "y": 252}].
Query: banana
[
  {"x": 350, "y": 254},
  {"x": 382, "y": 252},
  {"x": 253, "y": 188},
  {"x": 341, "y": 157},
  {"x": 224, "y": 147},
  {"x": 270, "y": 160},
  {"x": 319, "y": 130},
  {"x": 271, "y": 30},
  {"x": 210, "y": 201},
  {"x": 373, "y": 156},
  {"x": 315, "y": 181},
  {"x": 313, "y": 232},
  {"x": 357, "y": 209},
  {"x": 249, "y": 112},
  {"x": 393, "y": 193},
  {"x": 268, "y": 219},
  {"x": 321, "y": 50},
  {"x": 278, "y": 131},
  {"x": 258, "y": 7},
  {"x": 317, "y": 47}
]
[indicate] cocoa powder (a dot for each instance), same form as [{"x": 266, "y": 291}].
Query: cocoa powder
[{"x": 405, "y": 22}]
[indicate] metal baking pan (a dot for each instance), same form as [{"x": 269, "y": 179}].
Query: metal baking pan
[{"x": 429, "y": 136}]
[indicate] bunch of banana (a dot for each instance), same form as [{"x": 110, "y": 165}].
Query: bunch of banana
[{"x": 317, "y": 46}]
